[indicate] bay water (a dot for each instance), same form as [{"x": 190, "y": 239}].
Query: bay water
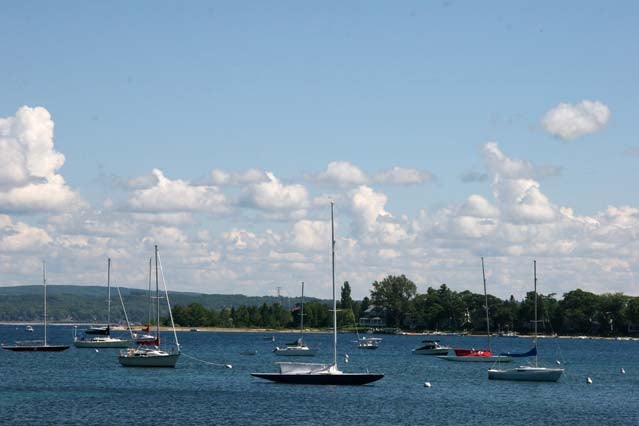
[{"x": 85, "y": 386}]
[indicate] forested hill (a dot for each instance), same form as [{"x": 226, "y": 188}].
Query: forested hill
[{"x": 88, "y": 303}]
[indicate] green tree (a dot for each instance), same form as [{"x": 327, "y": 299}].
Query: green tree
[
  {"x": 346, "y": 301},
  {"x": 394, "y": 293}
]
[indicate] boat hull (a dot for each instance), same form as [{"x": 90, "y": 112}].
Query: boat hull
[
  {"x": 101, "y": 343},
  {"x": 527, "y": 374},
  {"x": 40, "y": 348},
  {"x": 439, "y": 351},
  {"x": 294, "y": 352},
  {"x": 474, "y": 358},
  {"x": 344, "y": 379},
  {"x": 161, "y": 361}
]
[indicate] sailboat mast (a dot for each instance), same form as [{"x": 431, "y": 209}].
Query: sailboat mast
[
  {"x": 109, "y": 294},
  {"x": 535, "y": 275},
  {"x": 157, "y": 296},
  {"x": 302, "y": 315},
  {"x": 334, "y": 302},
  {"x": 483, "y": 273},
  {"x": 44, "y": 283},
  {"x": 150, "y": 297}
]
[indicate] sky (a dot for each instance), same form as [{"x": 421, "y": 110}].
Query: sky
[{"x": 443, "y": 131}]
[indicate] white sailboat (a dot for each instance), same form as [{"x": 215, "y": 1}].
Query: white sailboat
[
  {"x": 154, "y": 356},
  {"x": 297, "y": 348},
  {"x": 528, "y": 373},
  {"x": 478, "y": 355},
  {"x": 101, "y": 341},
  {"x": 315, "y": 373},
  {"x": 144, "y": 336},
  {"x": 38, "y": 345}
]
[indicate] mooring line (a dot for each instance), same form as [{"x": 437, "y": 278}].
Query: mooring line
[{"x": 207, "y": 362}]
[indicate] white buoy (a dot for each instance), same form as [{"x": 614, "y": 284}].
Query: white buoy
[
  {"x": 558, "y": 362},
  {"x": 97, "y": 350},
  {"x": 622, "y": 371},
  {"x": 228, "y": 366},
  {"x": 589, "y": 380},
  {"x": 427, "y": 385}
]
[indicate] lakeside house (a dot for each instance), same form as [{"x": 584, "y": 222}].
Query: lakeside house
[{"x": 374, "y": 316}]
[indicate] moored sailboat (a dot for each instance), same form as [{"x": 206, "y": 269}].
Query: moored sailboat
[
  {"x": 100, "y": 340},
  {"x": 298, "y": 347},
  {"x": 145, "y": 356},
  {"x": 315, "y": 373},
  {"x": 38, "y": 345},
  {"x": 478, "y": 355},
  {"x": 528, "y": 373}
]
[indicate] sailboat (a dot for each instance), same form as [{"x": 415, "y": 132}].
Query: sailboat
[
  {"x": 145, "y": 356},
  {"x": 298, "y": 347},
  {"x": 38, "y": 345},
  {"x": 144, "y": 337},
  {"x": 528, "y": 373},
  {"x": 478, "y": 355},
  {"x": 315, "y": 373},
  {"x": 101, "y": 340}
]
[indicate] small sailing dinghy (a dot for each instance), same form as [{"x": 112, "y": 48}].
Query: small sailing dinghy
[
  {"x": 153, "y": 356},
  {"x": 478, "y": 355},
  {"x": 99, "y": 340},
  {"x": 298, "y": 347},
  {"x": 528, "y": 373},
  {"x": 315, "y": 373},
  {"x": 38, "y": 345}
]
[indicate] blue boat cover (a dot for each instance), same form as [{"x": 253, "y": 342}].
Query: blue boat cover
[{"x": 531, "y": 352}]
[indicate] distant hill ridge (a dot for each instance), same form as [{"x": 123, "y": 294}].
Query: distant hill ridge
[{"x": 88, "y": 303}]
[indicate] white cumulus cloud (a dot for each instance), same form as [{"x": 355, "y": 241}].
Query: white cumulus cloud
[
  {"x": 29, "y": 181},
  {"x": 311, "y": 234},
  {"x": 342, "y": 173},
  {"x": 19, "y": 237},
  {"x": 177, "y": 196},
  {"x": 274, "y": 195},
  {"x": 572, "y": 121}
]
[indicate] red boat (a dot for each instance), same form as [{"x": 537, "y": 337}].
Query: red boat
[{"x": 472, "y": 352}]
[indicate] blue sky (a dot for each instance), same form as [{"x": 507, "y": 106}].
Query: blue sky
[{"x": 432, "y": 90}]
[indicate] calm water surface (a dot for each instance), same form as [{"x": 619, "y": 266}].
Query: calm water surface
[{"x": 82, "y": 386}]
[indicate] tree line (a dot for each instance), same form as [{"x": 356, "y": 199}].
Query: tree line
[{"x": 395, "y": 300}]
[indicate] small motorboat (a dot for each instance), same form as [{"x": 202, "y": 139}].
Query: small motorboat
[
  {"x": 431, "y": 347},
  {"x": 369, "y": 342}
]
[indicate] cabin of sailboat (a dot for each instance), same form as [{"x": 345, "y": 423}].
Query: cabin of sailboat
[
  {"x": 154, "y": 356},
  {"x": 529, "y": 373},
  {"x": 321, "y": 374}
]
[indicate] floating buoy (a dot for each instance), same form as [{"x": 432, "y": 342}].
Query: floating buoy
[
  {"x": 427, "y": 385},
  {"x": 97, "y": 350},
  {"x": 558, "y": 362},
  {"x": 622, "y": 371},
  {"x": 228, "y": 366},
  {"x": 589, "y": 380}
]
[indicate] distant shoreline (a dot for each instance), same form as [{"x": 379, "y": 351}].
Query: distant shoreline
[{"x": 138, "y": 327}]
